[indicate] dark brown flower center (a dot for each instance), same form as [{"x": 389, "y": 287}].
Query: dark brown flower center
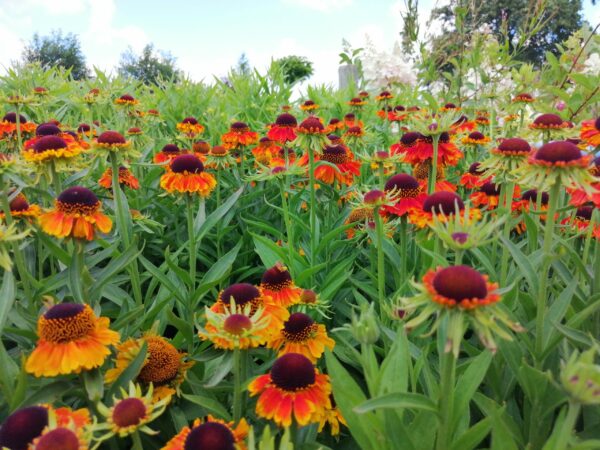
[
  {"x": 127, "y": 98},
  {"x": 276, "y": 278},
  {"x": 312, "y": 124},
  {"x": 83, "y": 128},
  {"x": 236, "y": 324},
  {"x": 171, "y": 149},
  {"x": 22, "y": 427},
  {"x": 514, "y": 145},
  {"x": 558, "y": 151},
  {"x": 460, "y": 283},
  {"x": 239, "y": 127},
  {"x": 490, "y": 189},
  {"x": 532, "y": 195},
  {"x": 78, "y": 195},
  {"x": 548, "y": 120},
  {"x": 335, "y": 154},
  {"x": 66, "y": 322},
  {"x": 474, "y": 168},
  {"x": 19, "y": 203},
  {"x": 128, "y": 412},
  {"x": 356, "y": 130},
  {"x": 298, "y": 328},
  {"x": 450, "y": 106},
  {"x": 58, "y": 439},
  {"x": 242, "y": 293},
  {"x": 476, "y": 135},
  {"x": 186, "y": 163},
  {"x": 111, "y": 138},
  {"x": 443, "y": 202},
  {"x": 597, "y": 124},
  {"x": 309, "y": 103},
  {"x": 47, "y": 129},
  {"x": 292, "y": 372},
  {"x": 11, "y": 117},
  {"x": 350, "y": 117},
  {"x": 210, "y": 436},
  {"x": 286, "y": 120},
  {"x": 409, "y": 139},
  {"x": 190, "y": 120},
  {"x": 406, "y": 185},
  {"x": 49, "y": 143},
  {"x": 585, "y": 212}
]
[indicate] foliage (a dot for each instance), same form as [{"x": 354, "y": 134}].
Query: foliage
[
  {"x": 150, "y": 67},
  {"x": 57, "y": 50},
  {"x": 295, "y": 68}
]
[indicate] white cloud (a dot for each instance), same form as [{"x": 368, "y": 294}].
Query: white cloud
[{"x": 320, "y": 5}]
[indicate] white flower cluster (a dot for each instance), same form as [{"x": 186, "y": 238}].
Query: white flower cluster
[
  {"x": 592, "y": 64},
  {"x": 382, "y": 68}
]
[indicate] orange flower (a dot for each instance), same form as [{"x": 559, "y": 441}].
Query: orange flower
[
  {"x": 239, "y": 134},
  {"x": 590, "y": 132},
  {"x": 357, "y": 102},
  {"x": 185, "y": 174},
  {"x": 76, "y": 214},
  {"x": 126, "y": 100},
  {"x": 463, "y": 124},
  {"x": 384, "y": 96},
  {"x": 351, "y": 121},
  {"x": 444, "y": 205},
  {"x": 345, "y": 167},
  {"x": 473, "y": 178},
  {"x": 51, "y": 148},
  {"x": 83, "y": 129},
  {"x": 489, "y": 195},
  {"x": 460, "y": 286},
  {"x": 300, "y": 334},
  {"x": 168, "y": 152},
  {"x": 523, "y": 97},
  {"x": 210, "y": 434},
  {"x": 20, "y": 207},
  {"x": 283, "y": 130},
  {"x": 359, "y": 216},
  {"x": 309, "y": 105},
  {"x": 294, "y": 389},
  {"x": 335, "y": 124},
  {"x": 408, "y": 192},
  {"x": 581, "y": 221},
  {"x": 476, "y": 138},
  {"x": 8, "y": 124},
  {"x": 277, "y": 284},
  {"x": 71, "y": 339},
  {"x": 244, "y": 294},
  {"x": 266, "y": 150},
  {"x": 448, "y": 153},
  {"x": 126, "y": 178},
  {"x": 190, "y": 127}
]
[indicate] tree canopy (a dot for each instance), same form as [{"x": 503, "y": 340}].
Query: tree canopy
[
  {"x": 57, "y": 50},
  {"x": 295, "y": 68},
  {"x": 150, "y": 66}
]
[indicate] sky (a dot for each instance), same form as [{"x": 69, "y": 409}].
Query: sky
[{"x": 207, "y": 37}]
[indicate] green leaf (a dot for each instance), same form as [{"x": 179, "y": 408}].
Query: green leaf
[
  {"x": 7, "y": 296},
  {"x": 217, "y": 272},
  {"x": 397, "y": 400},
  {"x": 75, "y": 280},
  {"x": 113, "y": 267},
  {"x": 268, "y": 251},
  {"x": 212, "y": 405},
  {"x": 130, "y": 372},
  {"x": 473, "y": 436},
  {"x": 468, "y": 383},
  {"x": 94, "y": 384},
  {"x": 213, "y": 218}
]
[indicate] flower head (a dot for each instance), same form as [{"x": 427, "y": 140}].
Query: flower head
[
  {"x": 294, "y": 388},
  {"x": 580, "y": 377},
  {"x": 167, "y": 153},
  {"x": 190, "y": 127},
  {"x": 408, "y": 192},
  {"x": 71, "y": 339},
  {"x": 126, "y": 178},
  {"x": 126, "y": 100},
  {"x": 283, "y": 130},
  {"x": 185, "y": 174},
  {"x": 22, "y": 427},
  {"x": 309, "y": 105},
  {"x": 523, "y": 97},
  {"x": 548, "y": 122},
  {"x": 76, "y": 214},
  {"x": 51, "y": 147},
  {"x": 590, "y": 132},
  {"x": 239, "y": 135},
  {"x": 210, "y": 434},
  {"x": 300, "y": 334},
  {"x": 277, "y": 283},
  {"x": 311, "y": 135}
]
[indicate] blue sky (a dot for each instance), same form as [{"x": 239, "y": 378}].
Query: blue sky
[{"x": 207, "y": 37}]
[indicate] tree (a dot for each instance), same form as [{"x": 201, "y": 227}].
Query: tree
[
  {"x": 57, "y": 50},
  {"x": 243, "y": 65},
  {"x": 295, "y": 68},
  {"x": 530, "y": 27},
  {"x": 150, "y": 66}
]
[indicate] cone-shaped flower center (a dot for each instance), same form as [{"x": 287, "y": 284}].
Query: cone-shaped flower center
[
  {"x": 532, "y": 195},
  {"x": 374, "y": 196},
  {"x": 355, "y": 130},
  {"x": 308, "y": 103},
  {"x": 47, "y": 129},
  {"x": 77, "y": 196},
  {"x": 236, "y": 324},
  {"x": 242, "y": 293},
  {"x": 597, "y": 124},
  {"x": 491, "y": 189},
  {"x": 514, "y": 145},
  {"x": 450, "y": 106},
  {"x": 350, "y": 116},
  {"x": 83, "y": 128},
  {"x": 443, "y": 202},
  {"x": 335, "y": 154},
  {"x": 49, "y": 143},
  {"x": 308, "y": 296},
  {"x": 58, "y": 439},
  {"x": 276, "y": 278},
  {"x": 210, "y": 436},
  {"x": 399, "y": 108},
  {"x": 186, "y": 163},
  {"x": 66, "y": 322},
  {"x": 128, "y": 412},
  {"x": 111, "y": 138},
  {"x": 298, "y": 327},
  {"x": 360, "y": 214},
  {"x": 405, "y": 185},
  {"x": 460, "y": 283},
  {"x": 292, "y": 372},
  {"x": 11, "y": 117},
  {"x": 171, "y": 149},
  {"x": 127, "y": 98},
  {"x": 460, "y": 237},
  {"x": 558, "y": 151},
  {"x": 19, "y": 203},
  {"x": 474, "y": 168},
  {"x": 190, "y": 120},
  {"x": 312, "y": 125},
  {"x": 585, "y": 212},
  {"x": 524, "y": 95},
  {"x": 548, "y": 120},
  {"x": 23, "y": 426},
  {"x": 239, "y": 127},
  {"x": 476, "y": 135},
  {"x": 218, "y": 150},
  {"x": 409, "y": 139},
  {"x": 286, "y": 120},
  {"x": 202, "y": 147},
  {"x": 163, "y": 361}
]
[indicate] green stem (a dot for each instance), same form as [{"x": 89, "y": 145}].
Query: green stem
[
  {"x": 403, "y": 248},
  {"x": 597, "y": 268},
  {"x": 288, "y": 225},
  {"x": 136, "y": 441},
  {"x": 380, "y": 258},
  {"x": 381, "y": 172},
  {"x": 191, "y": 239},
  {"x": 237, "y": 385},
  {"x": 446, "y": 400},
  {"x": 433, "y": 171},
  {"x": 566, "y": 430},
  {"x": 18, "y": 122},
  {"x": 313, "y": 210},
  {"x": 24, "y": 274},
  {"x": 55, "y": 178},
  {"x": 546, "y": 262},
  {"x": 509, "y": 188},
  {"x": 217, "y": 226}
]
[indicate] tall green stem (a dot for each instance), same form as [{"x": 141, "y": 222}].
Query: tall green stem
[
  {"x": 191, "y": 239},
  {"x": 55, "y": 178},
  {"x": 136, "y": 441},
  {"x": 546, "y": 262},
  {"x": 509, "y": 188},
  {"x": 596, "y": 268},
  {"x": 288, "y": 224},
  {"x": 433, "y": 171},
  {"x": 446, "y": 400},
  {"x": 237, "y": 384},
  {"x": 380, "y": 258},
  {"x": 313, "y": 209},
  {"x": 18, "y": 123}
]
